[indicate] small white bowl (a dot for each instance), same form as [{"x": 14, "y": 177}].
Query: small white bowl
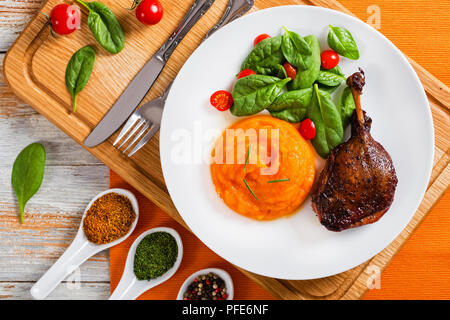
[
  {"x": 129, "y": 287},
  {"x": 221, "y": 273}
]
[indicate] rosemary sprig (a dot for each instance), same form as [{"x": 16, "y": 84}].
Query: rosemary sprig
[
  {"x": 279, "y": 180},
  {"x": 250, "y": 189},
  {"x": 248, "y": 155}
]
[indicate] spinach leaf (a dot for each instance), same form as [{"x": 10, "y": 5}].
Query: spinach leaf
[
  {"x": 292, "y": 105},
  {"x": 326, "y": 88},
  {"x": 330, "y": 86},
  {"x": 336, "y": 70},
  {"x": 254, "y": 93},
  {"x": 330, "y": 79},
  {"x": 280, "y": 72},
  {"x": 104, "y": 26},
  {"x": 295, "y": 49},
  {"x": 27, "y": 174},
  {"x": 341, "y": 41},
  {"x": 292, "y": 99},
  {"x": 266, "y": 58},
  {"x": 78, "y": 71},
  {"x": 326, "y": 118},
  {"x": 346, "y": 106},
  {"x": 306, "y": 78},
  {"x": 290, "y": 115}
]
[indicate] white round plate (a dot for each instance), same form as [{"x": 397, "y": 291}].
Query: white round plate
[{"x": 296, "y": 247}]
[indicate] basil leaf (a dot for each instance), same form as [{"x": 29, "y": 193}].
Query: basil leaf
[
  {"x": 329, "y": 78},
  {"x": 254, "y": 93},
  {"x": 326, "y": 118},
  {"x": 306, "y": 78},
  {"x": 346, "y": 106},
  {"x": 104, "y": 26},
  {"x": 27, "y": 174},
  {"x": 341, "y": 41},
  {"x": 295, "y": 49},
  {"x": 292, "y": 99},
  {"x": 292, "y": 105},
  {"x": 78, "y": 71},
  {"x": 266, "y": 58}
]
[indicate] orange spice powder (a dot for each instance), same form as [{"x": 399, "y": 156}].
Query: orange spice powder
[{"x": 109, "y": 218}]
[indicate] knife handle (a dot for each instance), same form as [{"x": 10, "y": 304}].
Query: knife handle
[{"x": 197, "y": 10}]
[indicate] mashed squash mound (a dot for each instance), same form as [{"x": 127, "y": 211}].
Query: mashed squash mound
[{"x": 262, "y": 168}]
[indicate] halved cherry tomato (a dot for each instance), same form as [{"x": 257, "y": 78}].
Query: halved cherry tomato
[
  {"x": 221, "y": 100},
  {"x": 260, "y": 38},
  {"x": 329, "y": 59},
  {"x": 307, "y": 129},
  {"x": 291, "y": 71},
  {"x": 65, "y": 18},
  {"x": 245, "y": 73},
  {"x": 149, "y": 11}
]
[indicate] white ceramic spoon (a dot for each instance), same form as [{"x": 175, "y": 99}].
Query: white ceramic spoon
[
  {"x": 130, "y": 287},
  {"x": 79, "y": 251},
  {"x": 221, "y": 273}
]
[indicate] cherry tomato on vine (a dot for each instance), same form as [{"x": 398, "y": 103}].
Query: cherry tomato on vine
[
  {"x": 221, "y": 100},
  {"x": 65, "y": 18},
  {"x": 307, "y": 129},
  {"x": 245, "y": 73},
  {"x": 149, "y": 11},
  {"x": 329, "y": 59},
  {"x": 260, "y": 38},
  {"x": 291, "y": 71}
]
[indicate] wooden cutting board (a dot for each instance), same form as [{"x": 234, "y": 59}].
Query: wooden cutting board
[{"x": 34, "y": 68}]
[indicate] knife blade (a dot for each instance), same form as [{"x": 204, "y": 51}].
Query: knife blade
[{"x": 145, "y": 78}]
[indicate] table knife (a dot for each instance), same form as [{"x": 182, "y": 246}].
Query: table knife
[{"x": 143, "y": 81}]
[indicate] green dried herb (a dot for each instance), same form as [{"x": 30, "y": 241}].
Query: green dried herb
[{"x": 155, "y": 255}]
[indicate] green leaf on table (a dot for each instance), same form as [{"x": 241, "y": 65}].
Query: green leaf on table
[{"x": 27, "y": 174}]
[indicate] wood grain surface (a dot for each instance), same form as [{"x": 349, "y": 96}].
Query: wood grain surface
[
  {"x": 72, "y": 177},
  {"x": 42, "y": 242}
]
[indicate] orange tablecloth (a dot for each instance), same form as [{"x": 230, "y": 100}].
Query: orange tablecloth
[
  {"x": 421, "y": 270},
  {"x": 420, "y": 29}
]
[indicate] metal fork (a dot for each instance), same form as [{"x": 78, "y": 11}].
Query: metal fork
[{"x": 146, "y": 120}]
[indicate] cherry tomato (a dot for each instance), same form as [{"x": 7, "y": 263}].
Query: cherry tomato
[
  {"x": 329, "y": 59},
  {"x": 65, "y": 18},
  {"x": 307, "y": 129},
  {"x": 291, "y": 71},
  {"x": 149, "y": 11},
  {"x": 260, "y": 38},
  {"x": 221, "y": 100},
  {"x": 245, "y": 73}
]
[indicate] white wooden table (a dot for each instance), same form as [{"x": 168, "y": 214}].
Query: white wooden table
[{"x": 72, "y": 178}]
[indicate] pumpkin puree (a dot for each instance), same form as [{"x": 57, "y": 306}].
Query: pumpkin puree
[{"x": 272, "y": 155}]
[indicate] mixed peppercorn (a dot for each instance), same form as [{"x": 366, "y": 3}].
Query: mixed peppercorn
[{"x": 207, "y": 287}]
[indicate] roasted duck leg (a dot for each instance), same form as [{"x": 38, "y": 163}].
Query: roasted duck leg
[{"x": 358, "y": 183}]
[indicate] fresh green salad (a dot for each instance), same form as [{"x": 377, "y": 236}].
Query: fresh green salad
[{"x": 294, "y": 80}]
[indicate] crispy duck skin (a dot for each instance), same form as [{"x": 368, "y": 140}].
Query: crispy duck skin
[{"x": 358, "y": 183}]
